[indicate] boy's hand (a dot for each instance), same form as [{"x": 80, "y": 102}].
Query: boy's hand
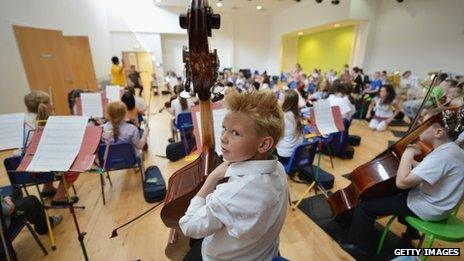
[
  {"x": 219, "y": 172},
  {"x": 412, "y": 150}
]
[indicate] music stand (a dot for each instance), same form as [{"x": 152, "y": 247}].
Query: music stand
[
  {"x": 319, "y": 132},
  {"x": 83, "y": 163}
]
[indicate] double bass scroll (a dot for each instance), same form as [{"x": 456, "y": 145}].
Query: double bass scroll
[{"x": 201, "y": 68}]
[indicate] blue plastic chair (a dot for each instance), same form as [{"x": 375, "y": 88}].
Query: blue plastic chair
[
  {"x": 15, "y": 227},
  {"x": 120, "y": 155},
  {"x": 279, "y": 258},
  {"x": 184, "y": 124},
  {"x": 302, "y": 156},
  {"x": 20, "y": 180}
]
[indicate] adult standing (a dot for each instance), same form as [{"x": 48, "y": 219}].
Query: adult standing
[
  {"x": 134, "y": 77},
  {"x": 117, "y": 72}
]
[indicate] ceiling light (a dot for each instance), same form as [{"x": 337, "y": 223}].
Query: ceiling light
[
  {"x": 158, "y": 1},
  {"x": 336, "y": 25},
  {"x": 259, "y": 7},
  {"x": 219, "y": 4},
  {"x": 300, "y": 33}
]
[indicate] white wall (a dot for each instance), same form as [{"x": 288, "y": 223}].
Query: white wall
[
  {"x": 420, "y": 35},
  {"x": 242, "y": 43},
  {"x": 84, "y": 17},
  {"x": 172, "y": 52}
]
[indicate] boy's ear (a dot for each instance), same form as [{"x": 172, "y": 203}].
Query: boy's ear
[{"x": 266, "y": 144}]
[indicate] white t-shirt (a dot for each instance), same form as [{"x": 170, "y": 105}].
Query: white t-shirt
[
  {"x": 382, "y": 110},
  {"x": 242, "y": 218},
  {"x": 347, "y": 109},
  {"x": 290, "y": 140},
  {"x": 442, "y": 186},
  {"x": 177, "y": 108}
]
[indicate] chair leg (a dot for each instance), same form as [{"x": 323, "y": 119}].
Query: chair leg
[
  {"x": 330, "y": 156},
  {"x": 37, "y": 239},
  {"x": 27, "y": 192},
  {"x": 429, "y": 245},
  {"x": 421, "y": 240},
  {"x": 102, "y": 184},
  {"x": 109, "y": 179},
  {"x": 384, "y": 234}
]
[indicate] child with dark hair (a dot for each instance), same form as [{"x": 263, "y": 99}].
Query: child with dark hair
[
  {"x": 385, "y": 108},
  {"x": 293, "y": 128},
  {"x": 133, "y": 112}
]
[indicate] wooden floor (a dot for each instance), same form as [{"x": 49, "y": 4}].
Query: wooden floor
[{"x": 301, "y": 238}]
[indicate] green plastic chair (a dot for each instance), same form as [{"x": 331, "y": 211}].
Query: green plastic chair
[{"x": 449, "y": 230}]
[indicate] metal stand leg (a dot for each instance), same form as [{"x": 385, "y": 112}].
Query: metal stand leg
[
  {"x": 73, "y": 214},
  {"x": 49, "y": 226}
]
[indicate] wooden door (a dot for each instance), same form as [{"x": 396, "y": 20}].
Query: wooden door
[
  {"x": 145, "y": 66},
  {"x": 44, "y": 59},
  {"x": 80, "y": 61}
]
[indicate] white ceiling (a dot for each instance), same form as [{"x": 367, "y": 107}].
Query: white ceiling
[{"x": 236, "y": 6}]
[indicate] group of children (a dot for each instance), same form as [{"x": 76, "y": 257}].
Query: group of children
[{"x": 241, "y": 218}]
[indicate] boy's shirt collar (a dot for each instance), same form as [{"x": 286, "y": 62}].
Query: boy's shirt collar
[{"x": 251, "y": 167}]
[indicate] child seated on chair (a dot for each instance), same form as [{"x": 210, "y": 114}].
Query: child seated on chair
[
  {"x": 118, "y": 129},
  {"x": 133, "y": 112},
  {"x": 178, "y": 106},
  {"x": 39, "y": 109},
  {"x": 385, "y": 107},
  {"x": 293, "y": 132},
  {"x": 30, "y": 209},
  {"x": 436, "y": 186},
  {"x": 241, "y": 219}
]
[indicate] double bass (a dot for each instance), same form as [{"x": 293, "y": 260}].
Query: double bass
[
  {"x": 201, "y": 68},
  {"x": 377, "y": 177}
]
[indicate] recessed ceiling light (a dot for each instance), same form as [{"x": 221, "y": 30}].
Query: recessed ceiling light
[
  {"x": 259, "y": 7},
  {"x": 158, "y": 1},
  {"x": 300, "y": 33},
  {"x": 336, "y": 25},
  {"x": 219, "y": 4}
]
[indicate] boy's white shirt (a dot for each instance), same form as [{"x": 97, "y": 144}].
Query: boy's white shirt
[{"x": 241, "y": 219}]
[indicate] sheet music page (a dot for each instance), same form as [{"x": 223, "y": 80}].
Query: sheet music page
[
  {"x": 325, "y": 121},
  {"x": 342, "y": 102},
  {"x": 60, "y": 143},
  {"x": 218, "y": 117},
  {"x": 92, "y": 105},
  {"x": 11, "y": 131},
  {"x": 113, "y": 92}
]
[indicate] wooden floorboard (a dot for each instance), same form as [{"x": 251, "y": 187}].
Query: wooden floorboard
[{"x": 301, "y": 238}]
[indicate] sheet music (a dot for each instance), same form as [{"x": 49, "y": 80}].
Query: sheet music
[
  {"x": 60, "y": 143},
  {"x": 11, "y": 131},
  {"x": 92, "y": 105},
  {"x": 342, "y": 102},
  {"x": 325, "y": 121},
  {"x": 113, "y": 92},
  {"x": 218, "y": 117}
]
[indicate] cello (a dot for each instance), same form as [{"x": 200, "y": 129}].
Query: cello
[
  {"x": 201, "y": 67},
  {"x": 377, "y": 177}
]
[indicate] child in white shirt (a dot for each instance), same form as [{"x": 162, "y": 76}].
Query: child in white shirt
[{"x": 242, "y": 218}]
